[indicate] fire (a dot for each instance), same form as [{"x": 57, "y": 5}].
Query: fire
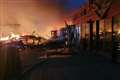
[
  {"x": 9, "y": 37},
  {"x": 119, "y": 32},
  {"x": 4, "y": 38}
]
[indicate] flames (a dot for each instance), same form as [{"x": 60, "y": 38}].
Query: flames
[
  {"x": 9, "y": 37},
  {"x": 119, "y": 32}
]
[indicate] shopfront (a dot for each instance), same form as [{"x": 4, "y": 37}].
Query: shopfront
[
  {"x": 101, "y": 34},
  {"x": 116, "y": 28}
]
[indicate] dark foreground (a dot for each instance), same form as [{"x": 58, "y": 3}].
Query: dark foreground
[
  {"x": 87, "y": 67},
  {"x": 75, "y": 67}
]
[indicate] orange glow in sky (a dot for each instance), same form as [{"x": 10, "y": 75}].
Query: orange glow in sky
[{"x": 40, "y": 16}]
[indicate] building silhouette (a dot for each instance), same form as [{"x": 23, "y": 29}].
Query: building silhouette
[{"x": 100, "y": 26}]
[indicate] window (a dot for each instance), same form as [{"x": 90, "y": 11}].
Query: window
[
  {"x": 107, "y": 35},
  {"x": 116, "y": 21}
]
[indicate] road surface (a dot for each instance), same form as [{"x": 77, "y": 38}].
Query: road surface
[{"x": 75, "y": 68}]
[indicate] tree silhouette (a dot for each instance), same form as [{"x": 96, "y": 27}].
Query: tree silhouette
[{"x": 101, "y": 7}]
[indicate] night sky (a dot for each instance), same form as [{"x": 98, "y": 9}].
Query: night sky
[
  {"x": 74, "y": 4},
  {"x": 41, "y": 16}
]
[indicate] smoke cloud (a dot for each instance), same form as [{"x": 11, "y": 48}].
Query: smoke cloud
[{"x": 26, "y": 16}]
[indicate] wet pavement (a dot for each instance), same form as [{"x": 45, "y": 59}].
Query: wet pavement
[{"x": 75, "y": 68}]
